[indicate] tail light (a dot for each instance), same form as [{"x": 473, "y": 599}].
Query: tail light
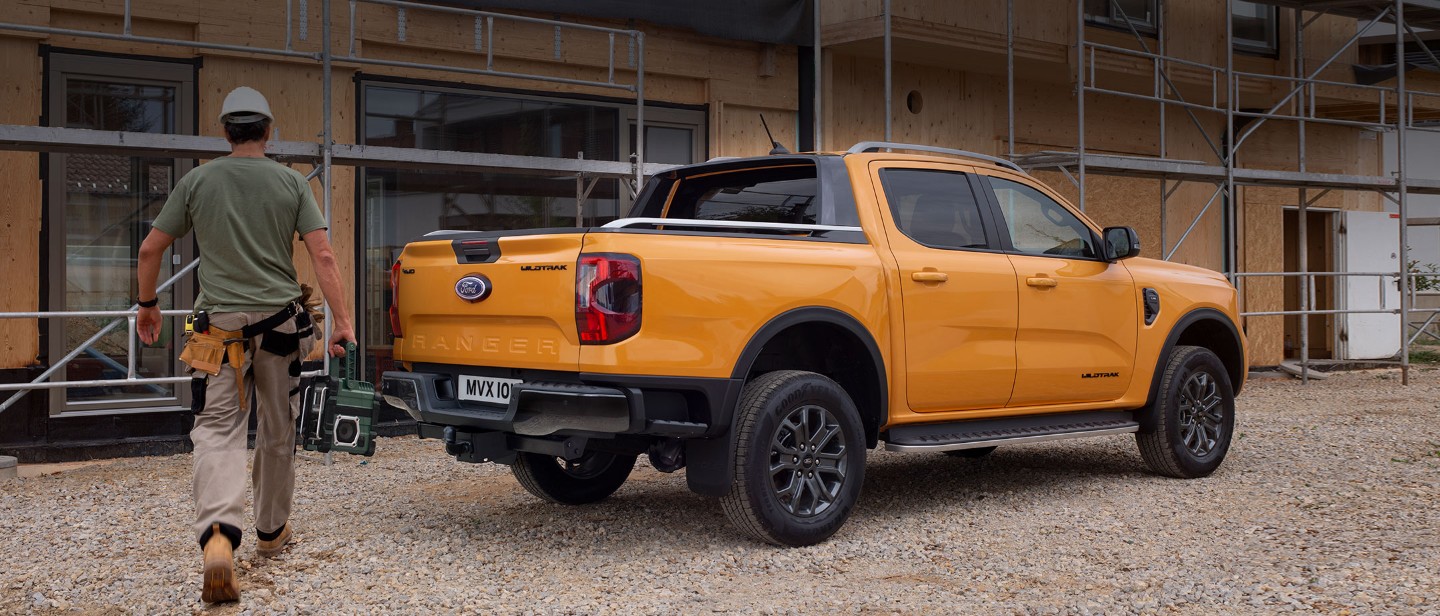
[
  {"x": 607, "y": 297},
  {"x": 395, "y": 300}
]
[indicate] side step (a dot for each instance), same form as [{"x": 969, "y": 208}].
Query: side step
[{"x": 1008, "y": 431}]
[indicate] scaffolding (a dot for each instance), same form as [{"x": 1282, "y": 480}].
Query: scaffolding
[
  {"x": 1296, "y": 105},
  {"x": 1392, "y": 111},
  {"x": 326, "y": 154}
]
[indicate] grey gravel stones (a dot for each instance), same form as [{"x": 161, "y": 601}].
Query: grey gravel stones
[{"x": 1329, "y": 503}]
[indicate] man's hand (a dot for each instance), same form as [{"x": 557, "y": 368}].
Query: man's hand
[
  {"x": 149, "y": 324},
  {"x": 338, "y": 337}
]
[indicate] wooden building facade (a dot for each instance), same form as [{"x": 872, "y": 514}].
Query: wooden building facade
[{"x": 997, "y": 77}]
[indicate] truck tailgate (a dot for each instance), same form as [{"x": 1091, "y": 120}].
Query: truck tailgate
[{"x": 526, "y": 318}]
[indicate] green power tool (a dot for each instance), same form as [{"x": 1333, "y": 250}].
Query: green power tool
[{"x": 338, "y": 413}]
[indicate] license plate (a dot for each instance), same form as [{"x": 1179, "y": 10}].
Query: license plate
[{"x": 487, "y": 389}]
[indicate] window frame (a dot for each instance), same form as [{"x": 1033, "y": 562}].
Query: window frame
[
  {"x": 60, "y": 67},
  {"x": 995, "y": 239},
  {"x": 1110, "y": 20},
  {"x": 1004, "y": 224}
]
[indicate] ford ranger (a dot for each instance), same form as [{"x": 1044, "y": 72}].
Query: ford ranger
[{"x": 763, "y": 322}]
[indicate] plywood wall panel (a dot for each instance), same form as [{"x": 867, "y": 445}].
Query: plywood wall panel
[
  {"x": 739, "y": 132},
  {"x": 20, "y": 215}
]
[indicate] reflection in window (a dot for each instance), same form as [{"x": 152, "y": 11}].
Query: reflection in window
[
  {"x": 934, "y": 208},
  {"x": 1039, "y": 225},
  {"x": 110, "y": 200},
  {"x": 775, "y": 194}
]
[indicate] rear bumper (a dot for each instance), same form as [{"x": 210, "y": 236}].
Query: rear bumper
[{"x": 566, "y": 404}]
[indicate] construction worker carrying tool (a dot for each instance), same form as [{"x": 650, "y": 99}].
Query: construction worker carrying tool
[{"x": 252, "y": 328}]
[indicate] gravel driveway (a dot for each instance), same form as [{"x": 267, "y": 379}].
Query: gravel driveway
[{"x": 1329, "y": 502}]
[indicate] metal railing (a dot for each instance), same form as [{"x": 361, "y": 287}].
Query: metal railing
[
  {"x": 119, "y": 316},
  {"x": 1385, "y": 283}
]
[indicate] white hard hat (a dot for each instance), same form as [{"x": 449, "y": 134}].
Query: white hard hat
[{"x": 245, "y": 105}]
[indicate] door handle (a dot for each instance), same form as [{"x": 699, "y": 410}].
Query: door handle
[
  {"x": 929, "y": 276},
  {"x": 1041, "y": 282}
]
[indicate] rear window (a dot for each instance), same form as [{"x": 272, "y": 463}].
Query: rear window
[{"x": 783, "y": 193}]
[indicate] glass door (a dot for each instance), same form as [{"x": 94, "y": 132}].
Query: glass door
[{"x": 100, "y": 210}]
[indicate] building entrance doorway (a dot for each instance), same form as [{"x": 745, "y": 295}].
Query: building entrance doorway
[
  {"x": 100, "y": 210},
  {"x": 1320, "y": 231}
]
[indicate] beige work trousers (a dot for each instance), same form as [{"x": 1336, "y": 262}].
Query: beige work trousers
[{"x": 220, "y": 433}]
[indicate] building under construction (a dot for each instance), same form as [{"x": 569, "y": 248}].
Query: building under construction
[{"x": 1288, "y": 144}]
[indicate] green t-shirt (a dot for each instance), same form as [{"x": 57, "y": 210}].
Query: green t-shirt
[{"x": 245, "y": 213}]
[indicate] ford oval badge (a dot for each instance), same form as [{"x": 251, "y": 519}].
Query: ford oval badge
[{"x": 473, "y": 287}]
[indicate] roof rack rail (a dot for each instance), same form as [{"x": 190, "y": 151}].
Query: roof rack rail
[{"x": 871, "y": 146}]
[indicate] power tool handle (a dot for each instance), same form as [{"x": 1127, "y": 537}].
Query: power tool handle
[{"x": 344, "y": 367}]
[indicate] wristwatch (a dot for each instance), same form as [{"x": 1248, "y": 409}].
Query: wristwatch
[{"x": 150, "y": 304}]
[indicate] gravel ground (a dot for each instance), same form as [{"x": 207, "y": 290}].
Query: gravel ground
[{"x": 1327, "y": 503}]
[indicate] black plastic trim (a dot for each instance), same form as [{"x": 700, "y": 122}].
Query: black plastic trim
[
  {"x": 957, "y": 432},
  {"x": 1146, "y": 415},
  {"x": 719, "y": 396},
  {"x": 814, "y": 314}
]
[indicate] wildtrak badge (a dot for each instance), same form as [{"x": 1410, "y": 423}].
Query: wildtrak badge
[
  {"x": 1100, "y": 375},
  {"x": 542, "y": 268}
]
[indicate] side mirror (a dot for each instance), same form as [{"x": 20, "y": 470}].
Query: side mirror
[{"x": 1121, "y": 243}]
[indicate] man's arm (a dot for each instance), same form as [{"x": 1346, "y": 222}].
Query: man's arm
[
  {"x": 322, "y": 257},
  {"x": 148, "y": 271}
]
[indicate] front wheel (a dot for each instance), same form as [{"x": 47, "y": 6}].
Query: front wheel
[
  {"x": 799, "y": 459},
  {"x": 1194, "y": 416},
  {"x": 589, "y": 479}
]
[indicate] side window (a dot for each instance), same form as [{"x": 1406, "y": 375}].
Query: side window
[
  {"x": 935, "y": 208},
  {"x": 1040, "y": 226}
]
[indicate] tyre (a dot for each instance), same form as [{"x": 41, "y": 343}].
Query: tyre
[
  {"x": 799, "y": 459},
  {"x": 1194, "y": 416},
  {"x": 974, "y": 454},
  {"x": 589, "y": 479}
]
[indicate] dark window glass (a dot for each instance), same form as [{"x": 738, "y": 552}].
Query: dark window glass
[
  {"x": 109, "y": 201},
  {"x": 1039, "y": 225},
  {"x": 1254, "y": 26},
  {"x": 935, "y": 208},
  {"x": 772, "y": 194},
  {"x": 1144, "y": 15}
]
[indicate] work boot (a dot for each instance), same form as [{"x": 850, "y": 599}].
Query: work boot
[
  {"x": 275, "y": 544},
  {"x": 220, "y": 582}
]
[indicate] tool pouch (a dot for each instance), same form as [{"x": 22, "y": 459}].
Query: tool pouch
[
  {"x": 279, "y": 343},
  {"x": 204, "y": 352}
]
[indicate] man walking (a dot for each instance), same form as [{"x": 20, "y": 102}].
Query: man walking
[{"x": 245, "y": 210}]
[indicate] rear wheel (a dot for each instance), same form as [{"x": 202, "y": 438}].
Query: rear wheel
[
  {"x": 799, "y": 459},
  {"x": 1194, "y": 416},
  {"x": 589, "y": 479}
]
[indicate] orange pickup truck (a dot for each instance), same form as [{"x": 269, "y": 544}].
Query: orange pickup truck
[{"x": 763, "y": 322}]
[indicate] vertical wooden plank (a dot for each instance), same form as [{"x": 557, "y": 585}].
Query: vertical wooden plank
[{"x": 20, "y": 84}]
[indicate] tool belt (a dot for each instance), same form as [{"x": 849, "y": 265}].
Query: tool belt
[{"x": 209, "y": 348}]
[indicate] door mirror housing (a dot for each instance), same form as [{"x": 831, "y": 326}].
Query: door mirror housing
[{"x": 1121, "y": 243}]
